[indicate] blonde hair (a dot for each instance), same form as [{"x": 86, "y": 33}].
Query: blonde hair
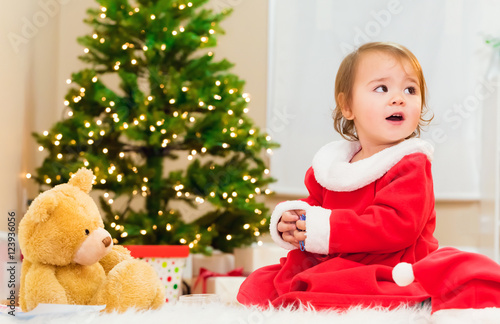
[{"x": 345, "y": 81}]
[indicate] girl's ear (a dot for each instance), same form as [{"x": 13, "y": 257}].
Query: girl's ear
[{"x": 344, "y": 107}]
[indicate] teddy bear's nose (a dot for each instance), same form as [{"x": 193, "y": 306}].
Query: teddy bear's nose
[{"x": 106, "y": 241}]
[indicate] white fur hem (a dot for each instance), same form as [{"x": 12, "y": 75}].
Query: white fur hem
[
  {"x": 275, "y": 218},
  {"x": 467, "y": 316},
  {"x": 333, "y": 170},
  {"x": 318, "y": 230}
]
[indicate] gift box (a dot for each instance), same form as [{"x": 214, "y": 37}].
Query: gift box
[
  {"x": 225, "y": 287},
  {"x": 168, "y": 261},
  {"x": 217, "y": 262},
  {"x": 257, "y": 256}
]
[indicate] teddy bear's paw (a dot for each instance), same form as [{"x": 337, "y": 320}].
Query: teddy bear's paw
[{"x": 131, "y": 284}]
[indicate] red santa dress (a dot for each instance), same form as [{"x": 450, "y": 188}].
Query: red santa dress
[{"x": 363, "y": 218}]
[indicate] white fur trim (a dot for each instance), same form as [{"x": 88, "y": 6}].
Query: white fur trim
[
  {"x": 402, "y": 274},
  {"x": 275, "y": 218},
  {"x": 466, "y": 316},
  {"x": 318, "y": 230},
  {"x": 333, "y": 170}
]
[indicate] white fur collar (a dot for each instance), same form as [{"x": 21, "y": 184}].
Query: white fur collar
[{"x": 334, "y": 172}]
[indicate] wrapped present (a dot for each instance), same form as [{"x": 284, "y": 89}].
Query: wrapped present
[
  {"x": 257, "y": 256},
  {"x": 168, "y": 261},
  {"x": 224, "y": 285},
  {"x": 217, "y": 262}
]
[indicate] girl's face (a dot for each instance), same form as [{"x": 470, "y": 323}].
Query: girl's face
[{"x": 386, "y": 102}]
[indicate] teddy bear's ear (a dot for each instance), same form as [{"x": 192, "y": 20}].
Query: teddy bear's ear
[
  {"x": 82, "y": 179},
  {"x": 42, "y": 207}
]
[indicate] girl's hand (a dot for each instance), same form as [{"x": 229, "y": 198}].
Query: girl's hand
[{"x": 290, "y": 227}]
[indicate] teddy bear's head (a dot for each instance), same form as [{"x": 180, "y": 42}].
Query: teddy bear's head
[{"x": 63, "y": 225}]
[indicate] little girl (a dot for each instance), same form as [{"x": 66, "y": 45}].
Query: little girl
[{"x": 371, "y": 201}]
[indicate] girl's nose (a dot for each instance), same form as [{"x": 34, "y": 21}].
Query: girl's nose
[{"x": 398, "y": 101}]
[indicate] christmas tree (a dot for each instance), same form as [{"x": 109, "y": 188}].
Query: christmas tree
[{"x": 152, "y": 93}]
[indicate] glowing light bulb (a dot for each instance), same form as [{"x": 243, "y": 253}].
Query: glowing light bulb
[
  {"x": 228, "y": 237},
  {"x": 28, "y": 175},
  {"x": 153, "y": 17}
]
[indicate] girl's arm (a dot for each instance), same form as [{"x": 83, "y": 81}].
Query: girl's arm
[{"x": 402, "y": 206}]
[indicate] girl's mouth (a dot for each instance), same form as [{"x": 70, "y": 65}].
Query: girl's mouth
[{"x": 395, "y": 117}]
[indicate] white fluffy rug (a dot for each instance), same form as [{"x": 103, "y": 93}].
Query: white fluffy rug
[{"x": 225, "y": 314}]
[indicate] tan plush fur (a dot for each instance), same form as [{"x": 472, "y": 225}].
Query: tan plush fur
[{"x": 70, "y": 259}]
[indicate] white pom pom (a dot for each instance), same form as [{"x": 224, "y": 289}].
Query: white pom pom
[{"x": 402, "y": 274}]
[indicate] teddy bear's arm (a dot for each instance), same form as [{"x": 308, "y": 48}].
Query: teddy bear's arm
[
  {"x": 117, "y": 255},
  {"x": 42, "y": 287}
]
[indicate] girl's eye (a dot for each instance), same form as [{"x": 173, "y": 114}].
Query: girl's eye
[
  {"x": 381, "y": 88},
  {"x": 411, "y": 90}
]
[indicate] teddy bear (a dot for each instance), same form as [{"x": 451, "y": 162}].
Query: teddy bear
[{"x": 69, "y": 258}]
